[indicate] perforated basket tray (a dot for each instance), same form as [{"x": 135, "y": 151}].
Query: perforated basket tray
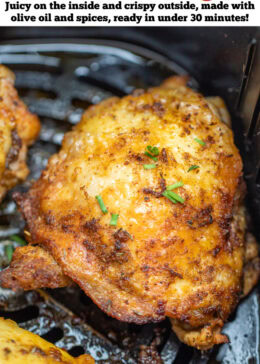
[{"x": 58, "y": 80}]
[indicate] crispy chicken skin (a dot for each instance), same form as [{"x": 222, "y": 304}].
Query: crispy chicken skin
[
  {"x": 19, "y": 346},
  {"x": 181, "y": 260},
  {"x": 33, "y": 267},
  {"x": 18, "y": 129}
]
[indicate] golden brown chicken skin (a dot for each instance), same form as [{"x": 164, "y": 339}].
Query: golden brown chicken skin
[
  {"x": 18, "y": 129},
  {"x": 19, "y": 346},
  {"x": 182, "y": 259},
  {"x": 33, "y": 267}
]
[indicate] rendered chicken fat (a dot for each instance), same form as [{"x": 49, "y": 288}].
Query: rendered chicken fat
[{"x": 185, "y": 259}]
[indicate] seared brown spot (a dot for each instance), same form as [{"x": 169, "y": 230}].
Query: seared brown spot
[
  {"x": 202, "y": 218},
  {"x": 224, "y": 223},
  {"x": 210, "y": 140},
  {"x": 137, "y": 157},
  {"x": 162, "y": 184},
  {"x": 49, "y": 219},
  {"x": 119, "y": 254},
  {"x": 186, "y": 131},
  {"x": 88, "y": 245},
  {"x": 92, "y": 225},
  {"x": 37, "y": 350},
  {"x": 172, "y": 272},
  {"x": 184, "y": 317},
  {"x": 158, "y": 192},
  {"x": 186, "y": 117},
  {"x": 215, "y": 251},
  {"x": 235, "y": 239},
  {"x": 15, "y": 148},
  {"x": 6, "y": 351},
  {"x": 152, "y": 243},
  {"x": 158, "y": 108},
  {"x": 163, "y": 156},
  {"x": 160, "y": 308},
  {"x": 226, "y": 198},
  {"x": 121, "y": 235},
  {"x": 55, "y": 354},
  {"x": 145, "y": 268},
  {"x": 149, "y": 191},
  {"x": 146, "y": 132},
  {"x": 186, "y": 156},
  {"x": 66, "y": 227}
]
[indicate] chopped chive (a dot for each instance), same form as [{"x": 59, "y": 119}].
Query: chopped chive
[
  {"x": 173, "y": 197},
  {"x": 114, "y": 218},
  {"x": 101, "y": 204},
  {"x": 175, "y": 185},
  {"x": 154, "y": 151},
  {"x": 176, "y": 197},
  {"x": 201, "y": 142},
  {"x": 149, "y": 166},
  {"x": 18, "y": 240},
  {"x": 9, "y": 250},
  {"x": 151, "y": 156},
  {"x": 193, "y": 167},
  {"x": 166, "y": 194}
]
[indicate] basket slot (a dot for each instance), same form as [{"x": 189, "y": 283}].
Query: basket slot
[{"x": 25, "y": 314}]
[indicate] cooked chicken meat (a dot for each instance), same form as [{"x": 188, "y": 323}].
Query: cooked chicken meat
[
  {"x": 18, "y": 129},
  {"x": 166, "y": 164},
  {"x": 32, "y": 267},
  {"x": 19, "y": 346}
]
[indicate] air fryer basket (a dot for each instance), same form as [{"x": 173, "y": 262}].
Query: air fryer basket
[{"x": 59, "y": 78}]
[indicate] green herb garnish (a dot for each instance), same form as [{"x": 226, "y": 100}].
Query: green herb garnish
[
  {"x": 18, "y": 240},
  {"x": 9, "y": 250},
  {"x": 114, "y": 218},
  {"x": 154, "y": 151},
  {"x": 175, "y": 185},
  {"x": 193, "y": 167},
  {"x": 201, "y": 142},
  {"x": 101, "y": 204},
  {"x": 177, "y": 197},
  {"x": 167, "y": 195},
  {"x": 173, "y": 197},
  {"x": 151, "y": 156},
  {"x": 149, "y": 166}
]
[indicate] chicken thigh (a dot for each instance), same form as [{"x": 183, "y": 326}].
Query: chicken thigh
[
  {"x": 143, "y": 209},
  {"x": 18, "y": 129}
]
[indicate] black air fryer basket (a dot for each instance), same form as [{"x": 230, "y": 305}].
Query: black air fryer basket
[{"x": 59, "y": 73}]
